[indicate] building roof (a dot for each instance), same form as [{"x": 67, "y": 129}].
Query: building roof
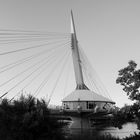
[{"x": 86, "y": 95}]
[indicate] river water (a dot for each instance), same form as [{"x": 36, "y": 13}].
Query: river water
[
  {"x": 126, "y": 130},
  {"x": 99, "y": 130}
]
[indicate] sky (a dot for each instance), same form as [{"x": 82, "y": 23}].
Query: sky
[{"x": 107, "y": 30}]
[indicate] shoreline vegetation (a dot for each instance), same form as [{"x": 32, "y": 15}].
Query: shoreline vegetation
[{"x": 28, "y": 118}]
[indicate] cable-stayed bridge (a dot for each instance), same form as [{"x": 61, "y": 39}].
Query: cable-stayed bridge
[{"x": 50, "y": 65}]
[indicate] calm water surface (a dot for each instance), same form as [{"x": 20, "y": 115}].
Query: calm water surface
[
  {"x": 99, "y": 130},
  {"x": 127, "y": 130}
]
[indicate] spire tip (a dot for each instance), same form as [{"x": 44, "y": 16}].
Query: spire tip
[{"x": 72, "y": 26}]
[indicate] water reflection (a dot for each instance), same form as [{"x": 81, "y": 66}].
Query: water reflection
[
  {"x": 99, "y": 130},
  {"x": 127, "y": 130}
]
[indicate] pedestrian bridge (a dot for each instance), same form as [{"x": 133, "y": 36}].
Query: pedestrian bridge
[{"x": 52, "y": 66}]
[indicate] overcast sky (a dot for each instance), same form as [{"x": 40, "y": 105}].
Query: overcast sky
[{"x": 108, "y": 30}]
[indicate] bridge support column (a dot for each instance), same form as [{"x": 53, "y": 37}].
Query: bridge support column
[{"x": 80, "y": 125}]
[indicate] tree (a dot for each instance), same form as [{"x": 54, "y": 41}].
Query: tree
[{"x": 129, "y": 78}]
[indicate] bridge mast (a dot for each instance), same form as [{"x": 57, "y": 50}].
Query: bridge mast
[{"x": 76, "y": 57}]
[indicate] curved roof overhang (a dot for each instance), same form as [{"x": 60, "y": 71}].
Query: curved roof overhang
[{"x": 86, "y": 95}]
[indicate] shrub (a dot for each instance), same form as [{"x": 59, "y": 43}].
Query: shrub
[{"x": 28, "y": 119}]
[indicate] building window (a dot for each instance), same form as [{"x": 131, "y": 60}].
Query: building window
[
  {"x": 91, "y": 105},
  {"x": 66, "y": 106}
]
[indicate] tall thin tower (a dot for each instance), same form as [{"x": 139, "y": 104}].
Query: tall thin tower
[
  {"x": 76, "y": 57},
  {"x": 82, "y": 97}
]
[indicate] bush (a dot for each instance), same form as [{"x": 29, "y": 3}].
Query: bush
[
  {"x": 122, "y": 116},
  {"x": 28, "y": 119}
]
